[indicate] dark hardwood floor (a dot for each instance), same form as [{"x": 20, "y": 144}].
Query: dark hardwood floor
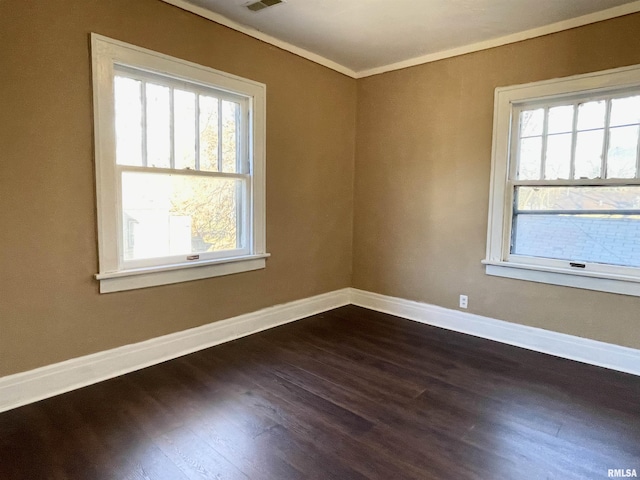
[{"x": 349, "y": 394}]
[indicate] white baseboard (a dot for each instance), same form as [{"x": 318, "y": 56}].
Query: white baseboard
[
  {"x": 34, "y": 385},
  {"x": 561, "y": 345},
  {"x": 31, "y": 386}
]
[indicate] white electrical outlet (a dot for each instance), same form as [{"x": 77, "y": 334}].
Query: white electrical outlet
[{"x": 464, "y": 301}]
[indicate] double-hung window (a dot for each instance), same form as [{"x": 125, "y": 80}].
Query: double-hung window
[
  {"x": 179, "y": 168},
  {"x": 565, "y": 194}
]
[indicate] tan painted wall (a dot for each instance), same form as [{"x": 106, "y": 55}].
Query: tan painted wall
[
  {"x": 50, "y": 308},
  {"x": 421, "y": 188},
  {"x": 422, "y": 182}
]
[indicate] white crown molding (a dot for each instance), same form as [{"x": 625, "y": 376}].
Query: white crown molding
[
  {"x": 580, "y": 349},
  {"x": 252, "y": 32},
  {"x": 610, "y": 13},
  {"x": 34, "y": 385}
]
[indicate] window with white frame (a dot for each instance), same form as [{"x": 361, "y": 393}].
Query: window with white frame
[
  {"x": 565, "y": 194},
  {"x": 179, "y": 169}
]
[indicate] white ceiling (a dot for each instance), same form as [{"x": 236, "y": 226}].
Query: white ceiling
[{"x": 363, "y": 37}]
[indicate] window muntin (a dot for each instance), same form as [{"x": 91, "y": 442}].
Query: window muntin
[
  {"x": 571, "y": 200},
  {"x": 583, "y": 139},
  {"x": 578, "y": 139},
  {"x": 183, "y": 195},
  {"x": 180, "y": 169}
]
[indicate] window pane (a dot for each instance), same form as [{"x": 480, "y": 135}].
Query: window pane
[
  {"x": 165, "y": 215},
  {"x": 584, "y": 224},
  {"x": 591, "y": 115},
  {"x": 531, "y": 122},
  {"x": 184, "y": 125},
  {"x": 128, "y": 107},
  {"x": 530, "y": 162},
  {"x": 588, "y": 161},
  {"x": 607, "y": 239},
  {"x": 561, "y": 119},
  {"x": 230, "y": 115},
  {"x": 208, "y": 133},
  {"x": 158, "y": 126},
  {"x": 578, "y": 198},
  {"x": 625, "y": 111},
  {"x": 558, "y": 157},
  {"x": 623, "y": 151}
]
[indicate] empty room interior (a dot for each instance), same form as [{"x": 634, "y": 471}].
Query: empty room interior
[{"x": 329, "y": 239}]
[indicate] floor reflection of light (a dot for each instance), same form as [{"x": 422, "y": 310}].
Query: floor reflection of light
[{"x": 227, "y": 425}]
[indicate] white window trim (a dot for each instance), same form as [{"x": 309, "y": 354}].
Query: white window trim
[
  {"x": 106, "y": 54},
  {"x": 498, "y": 260}
]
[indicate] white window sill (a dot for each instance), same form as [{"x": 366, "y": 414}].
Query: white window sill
[
  {"x": 621, "y": 284},
  {"x": 184, "y": 272}
]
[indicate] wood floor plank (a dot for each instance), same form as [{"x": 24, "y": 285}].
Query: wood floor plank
[
  {"x": 331, "y": 436},
  {"x": 258, "y": 413},
  {"x": 347, "y": 394}
]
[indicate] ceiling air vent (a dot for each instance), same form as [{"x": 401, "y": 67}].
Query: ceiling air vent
[{"x": 262, "y": 4}]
